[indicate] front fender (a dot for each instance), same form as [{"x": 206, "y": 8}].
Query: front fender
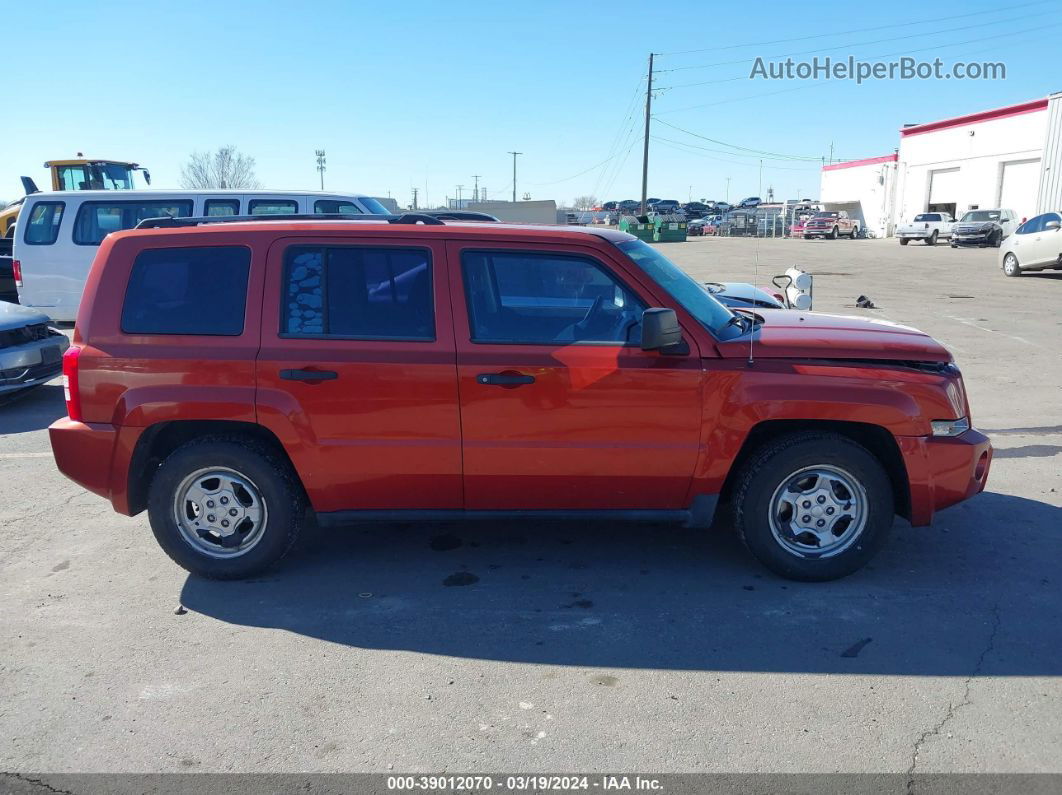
[{"x": 738, "y": 398}]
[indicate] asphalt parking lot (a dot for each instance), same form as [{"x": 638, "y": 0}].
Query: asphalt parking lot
[{"x": 593, "y": 648}]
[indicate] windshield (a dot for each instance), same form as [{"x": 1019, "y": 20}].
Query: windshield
[
  {"x": 982, "y": 215},
  {"x": 692, "y": 295},
  {"x": 373, "y": 206},
  {"x": 826, "y": 215},
  {"x": 927, "y": 217},
  {"x": 95, "y": 176}
]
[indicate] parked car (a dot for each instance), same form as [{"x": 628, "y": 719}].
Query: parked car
[
  {"x": 694, "y": 210},
  {"x": 610, "y": 207},
  {"x": 1036, "y": 245},
  {"x": 740, "y": 295},
  {"x": 668, "y": 206},
  {"x": 58, "y": 232},
  {"x": 927, "y": 227},
  {"x": 722, "y": 208},
  {"x": 227, "y": 378},
  {"x": 30, "y": 350},
  {"x": 796, "y": 229},
  {"x": 831, "y": 224},
  {"x": 751, "y": 201},
  {"x": 984, "y": 228},
  {"x": 695, "y": 227}
]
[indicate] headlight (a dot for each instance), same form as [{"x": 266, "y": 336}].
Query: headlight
[{"x": 950, "y": 427}]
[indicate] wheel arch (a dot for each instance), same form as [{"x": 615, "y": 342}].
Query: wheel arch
[
  {"x": 160, "y": 439},
  {"x": 878, "y": 441}
]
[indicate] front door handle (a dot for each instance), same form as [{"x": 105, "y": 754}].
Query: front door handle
[
  {"x": 504, "y": 379},
  {"x": 309, "y": 375}
]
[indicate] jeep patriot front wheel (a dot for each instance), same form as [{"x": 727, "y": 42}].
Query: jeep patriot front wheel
[
  {"x": 813, "y": 506},
  {"x": 225, "y": 508}
]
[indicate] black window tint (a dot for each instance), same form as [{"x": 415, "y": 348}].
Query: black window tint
[
  {"x": 272, "y": 206},
  {"x": 96, "y": 220},
  {"x": 215, "y": 207},
  {"x": 358, "y": 292},
  {"x": 42, "y": 229},
  {"x": 334, "y": 206},
  {"x": 187, "y": 291},
  {"x": 527, "y": 298}
]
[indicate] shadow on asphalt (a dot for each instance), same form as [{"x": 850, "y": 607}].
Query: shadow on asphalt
[
  {"x": 934, "y": 602},
  {"x": 32, "y": 409}
]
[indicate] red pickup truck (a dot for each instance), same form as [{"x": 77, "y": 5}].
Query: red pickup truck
[
  {"x": 231, "y": 376},
  {"x": 831, "y": 224}
]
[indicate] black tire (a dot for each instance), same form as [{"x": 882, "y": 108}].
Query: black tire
[
  {"x": 904, "y": 241},
  {"x": 833, "y": 233},
  {"x": 932, "y": 239},
  {"x": 280, "y": 491},
  {"x": 1011, "y": 267},
  {"x": 773, "y": 465}
]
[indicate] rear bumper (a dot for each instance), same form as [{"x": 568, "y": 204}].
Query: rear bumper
[
  {"x": 943, "y": 471},
  {"x": 96, "y": 456}
]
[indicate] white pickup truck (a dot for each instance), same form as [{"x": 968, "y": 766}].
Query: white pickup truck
[{"x": 928, "y": 227}]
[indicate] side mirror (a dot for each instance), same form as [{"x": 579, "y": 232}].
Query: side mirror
[
  {"x": 1052, "y": 225},
  {"x": 147, "y": 176},
  {"x": 660, "y": 329}
]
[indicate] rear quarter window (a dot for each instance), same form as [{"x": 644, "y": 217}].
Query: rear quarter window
[
  {"x": 42, "y": 229},
  {"x": 187, "y": 291}
]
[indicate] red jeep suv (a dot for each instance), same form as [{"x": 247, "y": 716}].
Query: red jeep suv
[{"x": 232, "y": 377}]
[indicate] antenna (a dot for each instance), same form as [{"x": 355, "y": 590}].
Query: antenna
[{"x": 756, "y": 277}]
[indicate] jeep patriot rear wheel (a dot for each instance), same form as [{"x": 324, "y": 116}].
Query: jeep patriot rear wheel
[
  {"x": 225, "y": 508},
  {"x": 813, "y": 506}
]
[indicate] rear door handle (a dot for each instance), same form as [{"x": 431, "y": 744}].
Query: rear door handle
[
  {"x": 504, "y": 379},
  {"x": 309, "y": 375}
]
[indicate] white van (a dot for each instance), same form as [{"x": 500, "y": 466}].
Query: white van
[{"x": 58, "y": 232}]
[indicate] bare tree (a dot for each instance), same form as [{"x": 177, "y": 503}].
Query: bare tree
[
  {"x": 585, "y": 202},
  {"x": 225, "y": 168}
]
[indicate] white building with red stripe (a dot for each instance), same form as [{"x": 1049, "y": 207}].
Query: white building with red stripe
[{"x": 1005, "y": 157}]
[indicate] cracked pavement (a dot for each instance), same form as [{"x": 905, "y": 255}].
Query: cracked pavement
[{"x": 572, "y": 647}]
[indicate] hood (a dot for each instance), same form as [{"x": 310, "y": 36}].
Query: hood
[
  {"x": 13, "y": 316},
  {"x": 786, "y": 334}
]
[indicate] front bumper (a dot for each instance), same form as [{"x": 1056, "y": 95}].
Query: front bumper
[
  {"x": 971, "y": 238},
  {"x": 943, "y": 471},
  {"x": 32, "y": 363}
]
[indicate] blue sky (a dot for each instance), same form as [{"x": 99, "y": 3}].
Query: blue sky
[{"x": 428, "y": 94}]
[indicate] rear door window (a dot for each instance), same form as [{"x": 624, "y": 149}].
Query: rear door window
[
  {"x": 358, "y": 292},
  {"x": 42, "y": 228},
  {"x": 96, "y": 220},
  {"x": 273, "y": 206},
  {"x": 201, "y": 290}
]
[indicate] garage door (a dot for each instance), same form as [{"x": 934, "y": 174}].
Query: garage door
[
  {"x": 1018, "y": 186},
  {"x": 943, "y": 190}
]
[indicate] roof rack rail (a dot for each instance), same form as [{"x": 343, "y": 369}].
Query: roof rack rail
[{"x": 169, "y": 222}]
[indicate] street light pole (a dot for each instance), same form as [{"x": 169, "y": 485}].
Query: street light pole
[
  {"x": 514, "y": 154},
  {"x": 321, "y": 164}
]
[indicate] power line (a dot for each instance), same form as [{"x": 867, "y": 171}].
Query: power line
[
  {"x": 757, "y": 152},
  {"x": 849, "y": 45},
  {"x": 1008, "y": 9},
  {"x": 682, "y": 148}
]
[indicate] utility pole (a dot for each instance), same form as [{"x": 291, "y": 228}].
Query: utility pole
[
  {"x": 475, "y": 190},
  {"x": 831, "y": 153},
  {"x": 514, "y": 154},
  {"x": 645, "y": 147},
  {"x": 727, "y": 197},
  {"x": 760, "y": 190},
  {"x": 414, "y": 198},
  {"x": 321, "y": 164},
  {"x": 459, "y": 187}
]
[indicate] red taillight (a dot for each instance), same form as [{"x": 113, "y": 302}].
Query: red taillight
[
  {"x": 71, "y": 390},
  {"x": 16, "y": 266}
]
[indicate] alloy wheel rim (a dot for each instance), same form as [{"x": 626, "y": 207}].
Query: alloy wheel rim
[
  {"x": 1010, "y": 263},
  {"x": 220, "y": 512},
  {"x": 818, "y": 511}
]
